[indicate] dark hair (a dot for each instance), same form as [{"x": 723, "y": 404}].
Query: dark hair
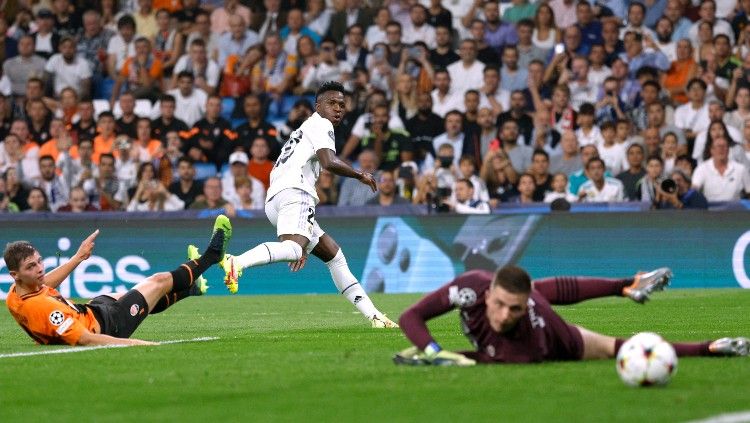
[
  {"x": 329, "y": 86},
  {"x": 186, "y": 159},
  {"x": 142, "y": 168},
  {"x": 107, "y": 155},
  {"x": 607, "y": 125},
  {"x": 198, "y": 42},
  {"x": 512, "y": 279},
  {"x": 587, "y": 109},
  {"x": 185, "y": 74},
  {"x": 655, "y": 157},
  {"x": 698, "y": 81},
  {"x": 46, "y": 157},
  {"x": 125, "y": 20},
  {"x": 167, "y": 98},
  {"x": 595, "y": 159},
  {"x": 525, "y": 22},
  {"x": 105, "y": 114},
  {"x": 636, "y": 4},
  {"x": 16, "y": 252},
  {"x": 638, "y": 146},
  {"x": 540, "y": 152},
  {"x": 710, "y": 139},
  {"x": 653, "y": 84},
  {"x": 393, "y": 23},
  {"x": 44, "y": 195},
  {"x": 467, "y": 182}
]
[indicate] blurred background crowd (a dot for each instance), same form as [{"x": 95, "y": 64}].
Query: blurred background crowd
[{"x": 464, "y": 106}]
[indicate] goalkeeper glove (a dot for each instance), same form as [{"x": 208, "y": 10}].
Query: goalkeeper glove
[
  {"x": 411, "y": 356},
  {"x": 448, "y": 358}
]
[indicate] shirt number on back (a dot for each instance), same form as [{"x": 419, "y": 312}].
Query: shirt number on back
[{"x": 288, "y": 149}]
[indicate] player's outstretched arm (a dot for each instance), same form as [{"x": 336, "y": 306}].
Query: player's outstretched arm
[
  {"x": 57, "y": 275},
  {"x": 91, "y": 339},
  {"x": 333, "y": 164}
]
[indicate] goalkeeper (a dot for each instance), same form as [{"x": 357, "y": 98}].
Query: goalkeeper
[{"x": 509, "y": 321}]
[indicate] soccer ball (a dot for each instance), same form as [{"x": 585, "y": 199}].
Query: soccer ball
[{"x": 645, "y": 360}]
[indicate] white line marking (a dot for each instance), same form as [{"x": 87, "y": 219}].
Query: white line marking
[
  {"x": 100, "y": 347},
  {"x": 738, "y": 417}
]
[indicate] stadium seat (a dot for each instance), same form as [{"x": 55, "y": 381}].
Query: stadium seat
[
  {"x": 204, "y": 171},
  {"x": 227, "y": 107},
  {"x": 100, "y": 106}
]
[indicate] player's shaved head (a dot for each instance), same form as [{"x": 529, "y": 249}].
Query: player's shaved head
[
  {"x": 512, "y": 279},
  {"x": 16, "y": 252}
]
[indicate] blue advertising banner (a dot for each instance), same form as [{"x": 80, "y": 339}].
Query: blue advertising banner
[{"x": 410, "y": 253}]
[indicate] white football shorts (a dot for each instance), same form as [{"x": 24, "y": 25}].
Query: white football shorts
[{"x": 292, "y": 212}]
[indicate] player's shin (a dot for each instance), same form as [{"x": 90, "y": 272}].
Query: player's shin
[
  {"x": 269, "y": 252},
  {"x": 683, "y": 349},
  {"x": 349, "y": 286},
  {"x": 184, "y": 276}
]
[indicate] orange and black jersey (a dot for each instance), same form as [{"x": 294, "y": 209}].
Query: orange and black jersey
[{"x": 49, "y": 318}]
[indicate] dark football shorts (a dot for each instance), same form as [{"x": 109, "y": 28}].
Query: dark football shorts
[{"x": 120, "y": 318}]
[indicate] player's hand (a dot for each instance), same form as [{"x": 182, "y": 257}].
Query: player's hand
[
  {"x": 296, "y": 266},
  {"x": 448, "y": 358},
  {"x": 367, "y": 179},
  {"x": 87, "y": 246}
]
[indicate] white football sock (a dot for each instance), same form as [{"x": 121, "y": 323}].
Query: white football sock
[
  {"x": 270, "y": 252},
  {"x": 348, "y": 285}
]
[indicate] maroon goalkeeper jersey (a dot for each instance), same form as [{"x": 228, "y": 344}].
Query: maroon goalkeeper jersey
[{"x": 541, "y": 334}]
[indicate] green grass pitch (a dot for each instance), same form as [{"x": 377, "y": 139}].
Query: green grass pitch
[{"x": 311, "y": 358}]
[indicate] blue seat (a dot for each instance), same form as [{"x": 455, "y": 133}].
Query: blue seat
[
  {"x": 227, "y": 107},
  {"x": 204, "y": 171}
]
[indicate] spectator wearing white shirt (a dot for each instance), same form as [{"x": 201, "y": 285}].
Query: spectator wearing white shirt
[
  {"x": 707, "y": 13},
  {"x": 329, "y": 68},
  {"x": 581, "y": 89},
  {"x": 598, "y": 71},
  {"x": 65, "y": 69},
  {"x": 376, "y": 32},
  {"x": 600, "y": 188},
  {"x": 190, "y": 102},
  {"x": 122, "y": 45},
  {"x": 464, "y": 199},
  {"x": 444, "y": 99},
  {"x": 715, "y": 129},
  {"x": 692, "y": 117},
  {"x": 721, "y": 179},
  {"x": 466, "y": 74},
  {"x": 417, "y": 29},
  {"x": 611, "y": 152},
  {"x": 588, "y": 133},
  {"x": 205, "y": 71}
]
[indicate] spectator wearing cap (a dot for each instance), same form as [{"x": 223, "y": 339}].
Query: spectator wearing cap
[
  {"x": 238, "y": 168},
  {"x": 45, "y": 38},
  {"x": 720, "y": 178},
  {"x": 237, "y": 40},
  {"x": 121, "y": 45},
  {"x": 387, "y": 193},
  {"x": 190, "y": 101},
  {"x": 24, "y": 66},
  {"x": 142, "y": 73},
  {"x": 65, "y": 69}
]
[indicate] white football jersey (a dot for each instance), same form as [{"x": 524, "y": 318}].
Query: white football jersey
[{"x": 297, "y": 165}]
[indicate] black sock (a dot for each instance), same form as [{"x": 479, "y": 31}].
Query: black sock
[
  {"x": 169, "y": 300},
  {"x": 183, "y": 276}
]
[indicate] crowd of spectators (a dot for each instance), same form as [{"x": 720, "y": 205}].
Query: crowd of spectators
[{"x": 162, "y": 105}]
